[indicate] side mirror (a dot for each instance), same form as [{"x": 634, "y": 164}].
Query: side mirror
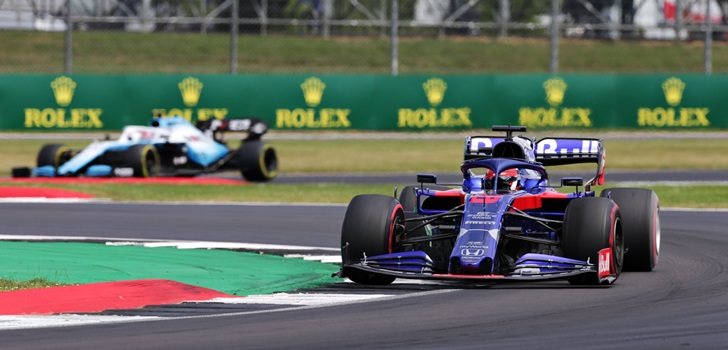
[{"x": 427, "y": 178}]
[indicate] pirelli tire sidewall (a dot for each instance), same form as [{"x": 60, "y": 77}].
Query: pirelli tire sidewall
[
  {"x": 590, "y": 225},
  {"x": 640, "y": 210},
  {"x": 370, "y": 227},
  {"x": 143, "y": 159},
  {"x": 258, "y": 161}
]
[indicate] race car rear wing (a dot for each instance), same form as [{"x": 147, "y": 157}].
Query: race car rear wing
[
  {"x": 562, "y": 151},
  {"x": 253, "y": 126},
  {"x": 547, "y": 151}
]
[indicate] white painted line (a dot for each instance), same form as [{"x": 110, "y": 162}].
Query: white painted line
[
  {"x": 220, "y": 245},
  {"x": 25, "y": 322},
  {"x": 696, "y": 210},
  {"x": 303, "y": 299},
  {"x": 20, "y": 322},
  {"x": 670, "y": 183},
  {"x": 331, "y": 259}
]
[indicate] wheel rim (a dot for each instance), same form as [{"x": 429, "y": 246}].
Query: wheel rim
[{"x": 395, "y": 228}]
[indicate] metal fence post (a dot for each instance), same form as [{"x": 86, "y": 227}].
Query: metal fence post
[
  {"x": 264, "y": 18},
  {"x": 678, "y": 18},
  {"x": 328, "y": 11},
  {"x": 394, "y": 40},
  {"x": 554, "y": 48},
  {"x": 68, "y": 41},
  {"x": 505, "y": 17},
  {"x": 234, "y": 21},
  {"x": 708, "y": 63}
]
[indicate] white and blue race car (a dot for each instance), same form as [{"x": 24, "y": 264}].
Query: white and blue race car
[{"x": 170, "y": 146}]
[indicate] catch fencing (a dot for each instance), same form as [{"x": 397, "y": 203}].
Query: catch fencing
[{"x": 679, "y": 20}]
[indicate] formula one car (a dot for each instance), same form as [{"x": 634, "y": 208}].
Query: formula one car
[
  {"x": 504, "y": 222},
  {"x": 170, "y": 146}
]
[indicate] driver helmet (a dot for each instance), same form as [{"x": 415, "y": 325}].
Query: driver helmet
[{"x": 509, "y": 180}]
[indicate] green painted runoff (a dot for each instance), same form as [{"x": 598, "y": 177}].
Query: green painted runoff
[{"x": 232, "y": 272}]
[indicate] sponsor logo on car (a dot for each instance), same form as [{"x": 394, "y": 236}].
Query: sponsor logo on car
[
  {"x": 472, "y": 252},
  {"x": 605, "y": 259}
]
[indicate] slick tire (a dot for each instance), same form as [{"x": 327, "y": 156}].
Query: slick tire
[
  {"x": 640, "y": 210},
  {"x": 258, "y": 161},
  {"x": 53, "y": 154},
  {"x": 370, "y": 226},
  {"x": 590, "y": 225},
  {"x": 143, "y": 159}
]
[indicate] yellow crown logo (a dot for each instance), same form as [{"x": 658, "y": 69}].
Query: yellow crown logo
[
  {"x": 191, "y": 89},
  {"x": 673, "y": 89},
  {"x": 435, "y": 91},
  {"x": 555, "y": 91},
  {"x": 63, "y": 88},
  {"x": 313, "y": 91}
]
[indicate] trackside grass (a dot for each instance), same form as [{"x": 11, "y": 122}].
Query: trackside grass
[
  {"x": 429, "y": 155},
  {"x": 9, "y": 284},
  {"x": 122, "y": 52}
]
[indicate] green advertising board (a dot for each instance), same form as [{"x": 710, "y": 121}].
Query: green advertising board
[{"x": 367, "y": 102}]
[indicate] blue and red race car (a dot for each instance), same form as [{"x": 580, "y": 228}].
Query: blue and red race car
[{"x": 505, "y": 221}]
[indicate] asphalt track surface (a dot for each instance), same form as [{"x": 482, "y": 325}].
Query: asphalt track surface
[{"x": 682, "y": 304}]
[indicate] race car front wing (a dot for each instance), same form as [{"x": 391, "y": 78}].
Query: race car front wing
[{"x": 530, "y": 267}]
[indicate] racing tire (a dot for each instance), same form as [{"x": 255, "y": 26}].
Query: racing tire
[
  {"x": 640, "y": 210},
  {"x": 370, "y": 226},
  {"x": 143, "y": 159},
  {"x": 590, "y": 225},
  {"x": 53, "y": 154},
  {"x": 258, "y": 161}
]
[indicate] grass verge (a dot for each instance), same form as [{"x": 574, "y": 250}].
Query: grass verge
[
  {"x": 114, "y": 52},
  {"x": 428, "y": 155},
  {"x": 9, "y": 285}
]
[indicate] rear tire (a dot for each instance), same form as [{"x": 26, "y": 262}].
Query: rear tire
[
  {"x": 370, "y": 226},
  {"x": 53, "y": 154},
  {"x": 590, "y": 225},
  {"x": 640, "y": 210},
  {"x": 143, "y": 159},
  {"x": 258, "y": 161}
]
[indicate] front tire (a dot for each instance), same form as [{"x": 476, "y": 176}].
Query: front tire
[
  {"x": 590, "y": 225},
  {"x": 370, "y": 227},
  {"x": 53, "y": 154},
  {"x": 640, "y": 210},
  {"x": 258, "y": 161}
]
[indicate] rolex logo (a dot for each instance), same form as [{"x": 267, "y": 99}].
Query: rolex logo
[
  {"x": 673, "y": 89},
  {"x": 313, "y": 91},
  {"x": 435, "y": 91},
  {"x": 63, "y": 88},
  {"x": 191, "y": 88},
  {"x": 555, "y": 90}
]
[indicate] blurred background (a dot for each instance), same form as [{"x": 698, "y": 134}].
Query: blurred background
[{"x": 379, "y": 36}]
